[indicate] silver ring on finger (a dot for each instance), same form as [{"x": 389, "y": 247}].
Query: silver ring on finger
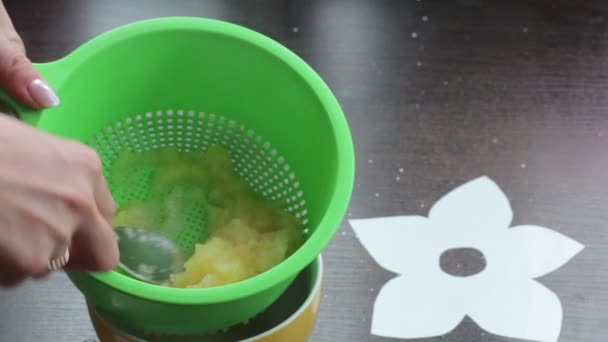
[{"x": 60, "y": 262}]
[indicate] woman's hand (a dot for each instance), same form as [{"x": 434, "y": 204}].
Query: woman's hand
[
  {"x": 52, "y": 194},
  {"x": 52, "y": 191}
]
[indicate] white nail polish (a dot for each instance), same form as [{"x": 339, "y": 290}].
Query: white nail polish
[{"x": 43, "y": 94}]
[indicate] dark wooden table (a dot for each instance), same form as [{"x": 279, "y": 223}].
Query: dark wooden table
[{"x": 447, "y": 90}]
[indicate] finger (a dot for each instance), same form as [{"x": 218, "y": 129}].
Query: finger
[
  {"x": 17, "y": 74},
  {"x": 42, "y": 246},
  {"x": 11, "y": 279},
  {"x": 94, "y": 247},
  {"x": 41, "y": 276},
  {"x": 25, "y": 249},
  {"x": 104, "y": 199},
  {"x": 11, "y": 275},
  {"x": 19, "y": 77},
  {"x": 45, "y": 236},
  {"x": 12, "y": 265},
  {"x": 6, "y": 25}
]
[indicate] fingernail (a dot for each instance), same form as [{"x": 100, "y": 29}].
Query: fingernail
[{"x": 43, "y": 94}]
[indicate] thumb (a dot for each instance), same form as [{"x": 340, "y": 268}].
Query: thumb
[{"x": 19, "y": 77}]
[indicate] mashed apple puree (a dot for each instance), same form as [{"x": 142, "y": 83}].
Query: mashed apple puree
[{"x": 244, "y": 234}]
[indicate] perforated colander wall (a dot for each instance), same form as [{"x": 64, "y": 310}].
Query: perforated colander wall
[{"x": 259, "y": 163}]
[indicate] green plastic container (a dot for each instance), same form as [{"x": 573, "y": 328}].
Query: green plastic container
[{"x": 202, "y": 82}]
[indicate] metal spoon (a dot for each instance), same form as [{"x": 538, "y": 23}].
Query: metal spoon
[{"x": 147, "y": 255}]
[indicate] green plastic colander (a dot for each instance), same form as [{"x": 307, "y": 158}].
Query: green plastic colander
[{"x": 191, "y": 83}]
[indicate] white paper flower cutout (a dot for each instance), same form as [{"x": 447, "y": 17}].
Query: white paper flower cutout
[{"x": 504, "y": 299}]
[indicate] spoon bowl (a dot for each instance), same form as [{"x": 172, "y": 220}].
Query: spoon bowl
[{"x": 147, "y": 255}]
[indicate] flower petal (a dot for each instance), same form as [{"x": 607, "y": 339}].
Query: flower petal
[
  {"x": 476, "y": 205},
  {"x": 413, "y": 308},
  {"x": 396, "y": 243},
  {"x": 523, "y": 310},
  {"x": 538, "y": 251}
]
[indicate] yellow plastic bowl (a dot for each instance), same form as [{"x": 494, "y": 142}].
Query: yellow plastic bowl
[{"x": 291, "y": 318}]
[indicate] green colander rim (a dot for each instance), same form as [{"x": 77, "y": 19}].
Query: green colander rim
[{"x": 338, "y": 204}]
